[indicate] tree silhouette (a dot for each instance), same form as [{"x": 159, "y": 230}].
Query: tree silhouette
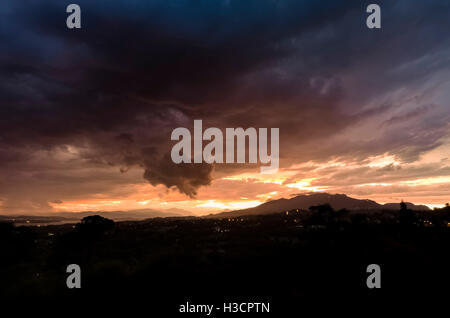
[
  {"x": 321, "y": 214},
  {"x": 95, "y": 224},
  {"x": 403, "y": 206},
  {"x": 407, "y": 216}
]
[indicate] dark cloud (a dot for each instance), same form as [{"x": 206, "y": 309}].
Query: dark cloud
[
  {"x": 186, "y": 177},
  {"x": 115, "y": 89}
]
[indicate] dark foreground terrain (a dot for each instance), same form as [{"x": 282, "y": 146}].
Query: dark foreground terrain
[{"x": 296, "y": 260}]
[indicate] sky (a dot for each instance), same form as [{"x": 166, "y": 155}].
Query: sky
[{"x": 86, "y": 114}]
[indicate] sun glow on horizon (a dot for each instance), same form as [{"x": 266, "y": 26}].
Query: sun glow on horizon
[
  {"x": 234, "y": 205},
  {"x": 305, "y": 185}
]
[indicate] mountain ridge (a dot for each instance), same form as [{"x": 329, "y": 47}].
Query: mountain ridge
[{"x": 304, "y": 201}]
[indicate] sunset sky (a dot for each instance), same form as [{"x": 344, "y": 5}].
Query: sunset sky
[{"x": 86, "y": 114}]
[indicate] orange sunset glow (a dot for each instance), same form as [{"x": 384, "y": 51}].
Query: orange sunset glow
[{"x": 249, "y": 189}]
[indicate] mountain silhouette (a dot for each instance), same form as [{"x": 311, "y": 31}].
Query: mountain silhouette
[
  {"x": 304, "y": 201},
  {"x": 74, "y": 217},
  {"x": 138, "y": 214}
]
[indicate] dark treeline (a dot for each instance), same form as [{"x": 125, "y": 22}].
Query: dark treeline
[{"x": 288, "y": 258}]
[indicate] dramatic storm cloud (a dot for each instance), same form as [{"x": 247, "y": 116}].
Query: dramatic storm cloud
[{"x": 87, "y": 114}]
